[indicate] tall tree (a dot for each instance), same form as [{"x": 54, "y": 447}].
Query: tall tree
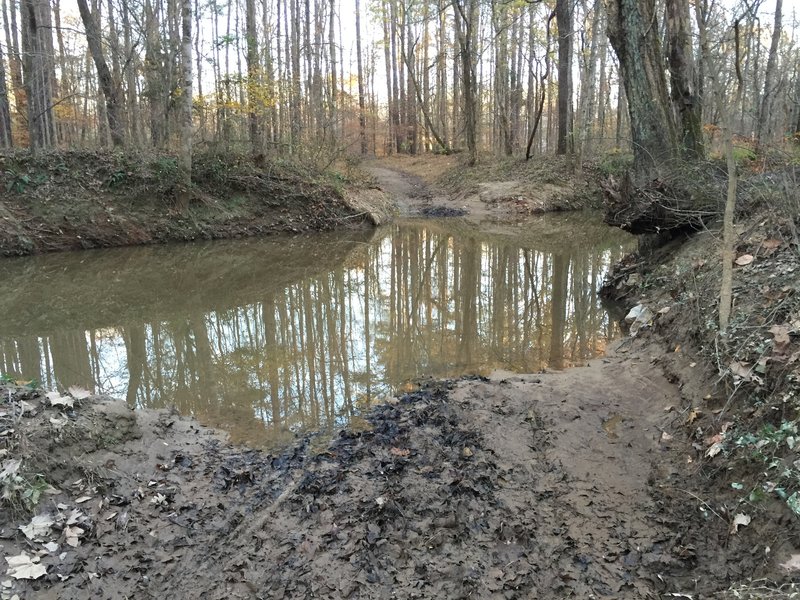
[
  {"x": 362, "y": 119},
  {"x": 254, "y": 85},
  {"x": 685, "y": 101},
  {"x": 110, "y": 86},
  {"x": 5, "y": 110},
  {"x": 564, "y": 24},
  {"x": 764, "y": 130},
  {"x": 466, "y": 31},
  {"x": 39, "y": 71},
  {"x": 185, "y": 158},
  {"x": 636, "y": 43},
  {"x": 14, "y": 60}
]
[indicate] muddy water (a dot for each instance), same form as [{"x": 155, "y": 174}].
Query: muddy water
[{"x": 270, "y": 337}]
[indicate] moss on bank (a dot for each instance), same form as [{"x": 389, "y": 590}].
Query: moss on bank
[{"x": 84, "y": 199}]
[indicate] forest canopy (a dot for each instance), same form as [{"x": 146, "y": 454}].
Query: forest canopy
[{"x": 334, "y": 77}]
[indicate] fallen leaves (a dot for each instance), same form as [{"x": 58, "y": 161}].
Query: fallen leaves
[
  {"x": 740, "y": 520},
  {"x": 57, "y": 399},
  {"x": 770, "y": 245},
  {"x": 780, "y": 338},
  {"x": 716, "y": 443},
  {"x": 23, "y": 566},
  {"x": 793, "y": 564},
  {"x": 744, "y": 260},
  {"x": 78, "y": 392},
  {"x": 714, "y": 449},
  {"x": 693, "y": 416},
  {"x": 72, "y": 535},
  {"x": 38, "y": 528},
  {"x": 638, "y": 317}
]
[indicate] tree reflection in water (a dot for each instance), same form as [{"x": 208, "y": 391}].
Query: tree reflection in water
[{"x": 330, "y": 331}]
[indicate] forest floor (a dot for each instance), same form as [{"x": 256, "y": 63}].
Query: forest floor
[{"x": 666, "y": 469}]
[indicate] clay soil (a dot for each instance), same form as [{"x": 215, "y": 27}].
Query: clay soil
[{"x": 588, "y": 483}]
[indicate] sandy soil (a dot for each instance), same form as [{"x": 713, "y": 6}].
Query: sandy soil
[
  {"x": 498, "y": 190},
  {"x": 553, "y": 485}
]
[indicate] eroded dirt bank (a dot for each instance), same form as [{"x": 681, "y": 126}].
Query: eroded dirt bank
[
  {"x": 537, "y": 486},
  {"x": 78, "y": 200}
]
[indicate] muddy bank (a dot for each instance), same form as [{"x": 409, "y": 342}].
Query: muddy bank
[
  {"x": 78, "y": 200},
  {"x": 504, "y": 189},
  {"x": 543, "y": 486},
  {"x": 737, "y": 423}
]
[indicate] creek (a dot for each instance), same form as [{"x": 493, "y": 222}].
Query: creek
[{"x": 272, "y": 337}]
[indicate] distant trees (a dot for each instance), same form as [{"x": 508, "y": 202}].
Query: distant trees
[
  {"x": 38, "y": 71},
  {"x": 6, "y": 140},
  {"x": 322, "y": 77}
]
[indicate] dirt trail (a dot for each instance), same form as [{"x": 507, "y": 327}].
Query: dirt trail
[
  {"x": 418, "y": 189},
  {"x": 414, "y": 197}
]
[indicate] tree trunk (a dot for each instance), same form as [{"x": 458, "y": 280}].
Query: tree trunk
[
  {"x": 185, "y": 158},
  {"x": 362, "y": 120},
  {"x": 155, "y": 86},
  {"x": 768, "y": 99},
  {"x": 564, "y": 24},
  {"x": 634, "y": 36},
  {"x": 14, "y": 61},
  {"x": 254, "y": 88},
  {"x": 5, "y": 112},
  {"x": 466, "y": 17},
  {"x": 334, "y": 83},
  {"x": 588, "y": 86},
  {"x": 685, "y": 101},
  {"x": 110, "y": 87},
  {"x": 542, "y": 90},
  {"x": 130, "y": 77},
  {"x": 39, "y": 74}
]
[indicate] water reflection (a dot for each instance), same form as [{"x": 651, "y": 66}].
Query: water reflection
[{"x": 261, "y": 338}]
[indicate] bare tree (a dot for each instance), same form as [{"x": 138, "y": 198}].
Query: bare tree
[
  {"x": 39, "y": 71},
  {"x": 5, "y": 111},
  {"x": 564, "y": 24},
  {"x": 109, "y": 85},
  {"x": 636, "y": 43},
  {"x": 765, "y": 115},
  {"x": 185, "y": 158}
]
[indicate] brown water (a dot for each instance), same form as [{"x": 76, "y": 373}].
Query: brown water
[{"x": 265, "y": 338}]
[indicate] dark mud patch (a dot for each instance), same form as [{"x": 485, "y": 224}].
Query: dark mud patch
[{"x": 442, "y": 211}]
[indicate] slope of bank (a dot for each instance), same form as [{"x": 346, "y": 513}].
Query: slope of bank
[
  {"x": 738, "y": 421},
  {"x": 74, "y": 200},
  {"x": 495, "y": 188}
]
